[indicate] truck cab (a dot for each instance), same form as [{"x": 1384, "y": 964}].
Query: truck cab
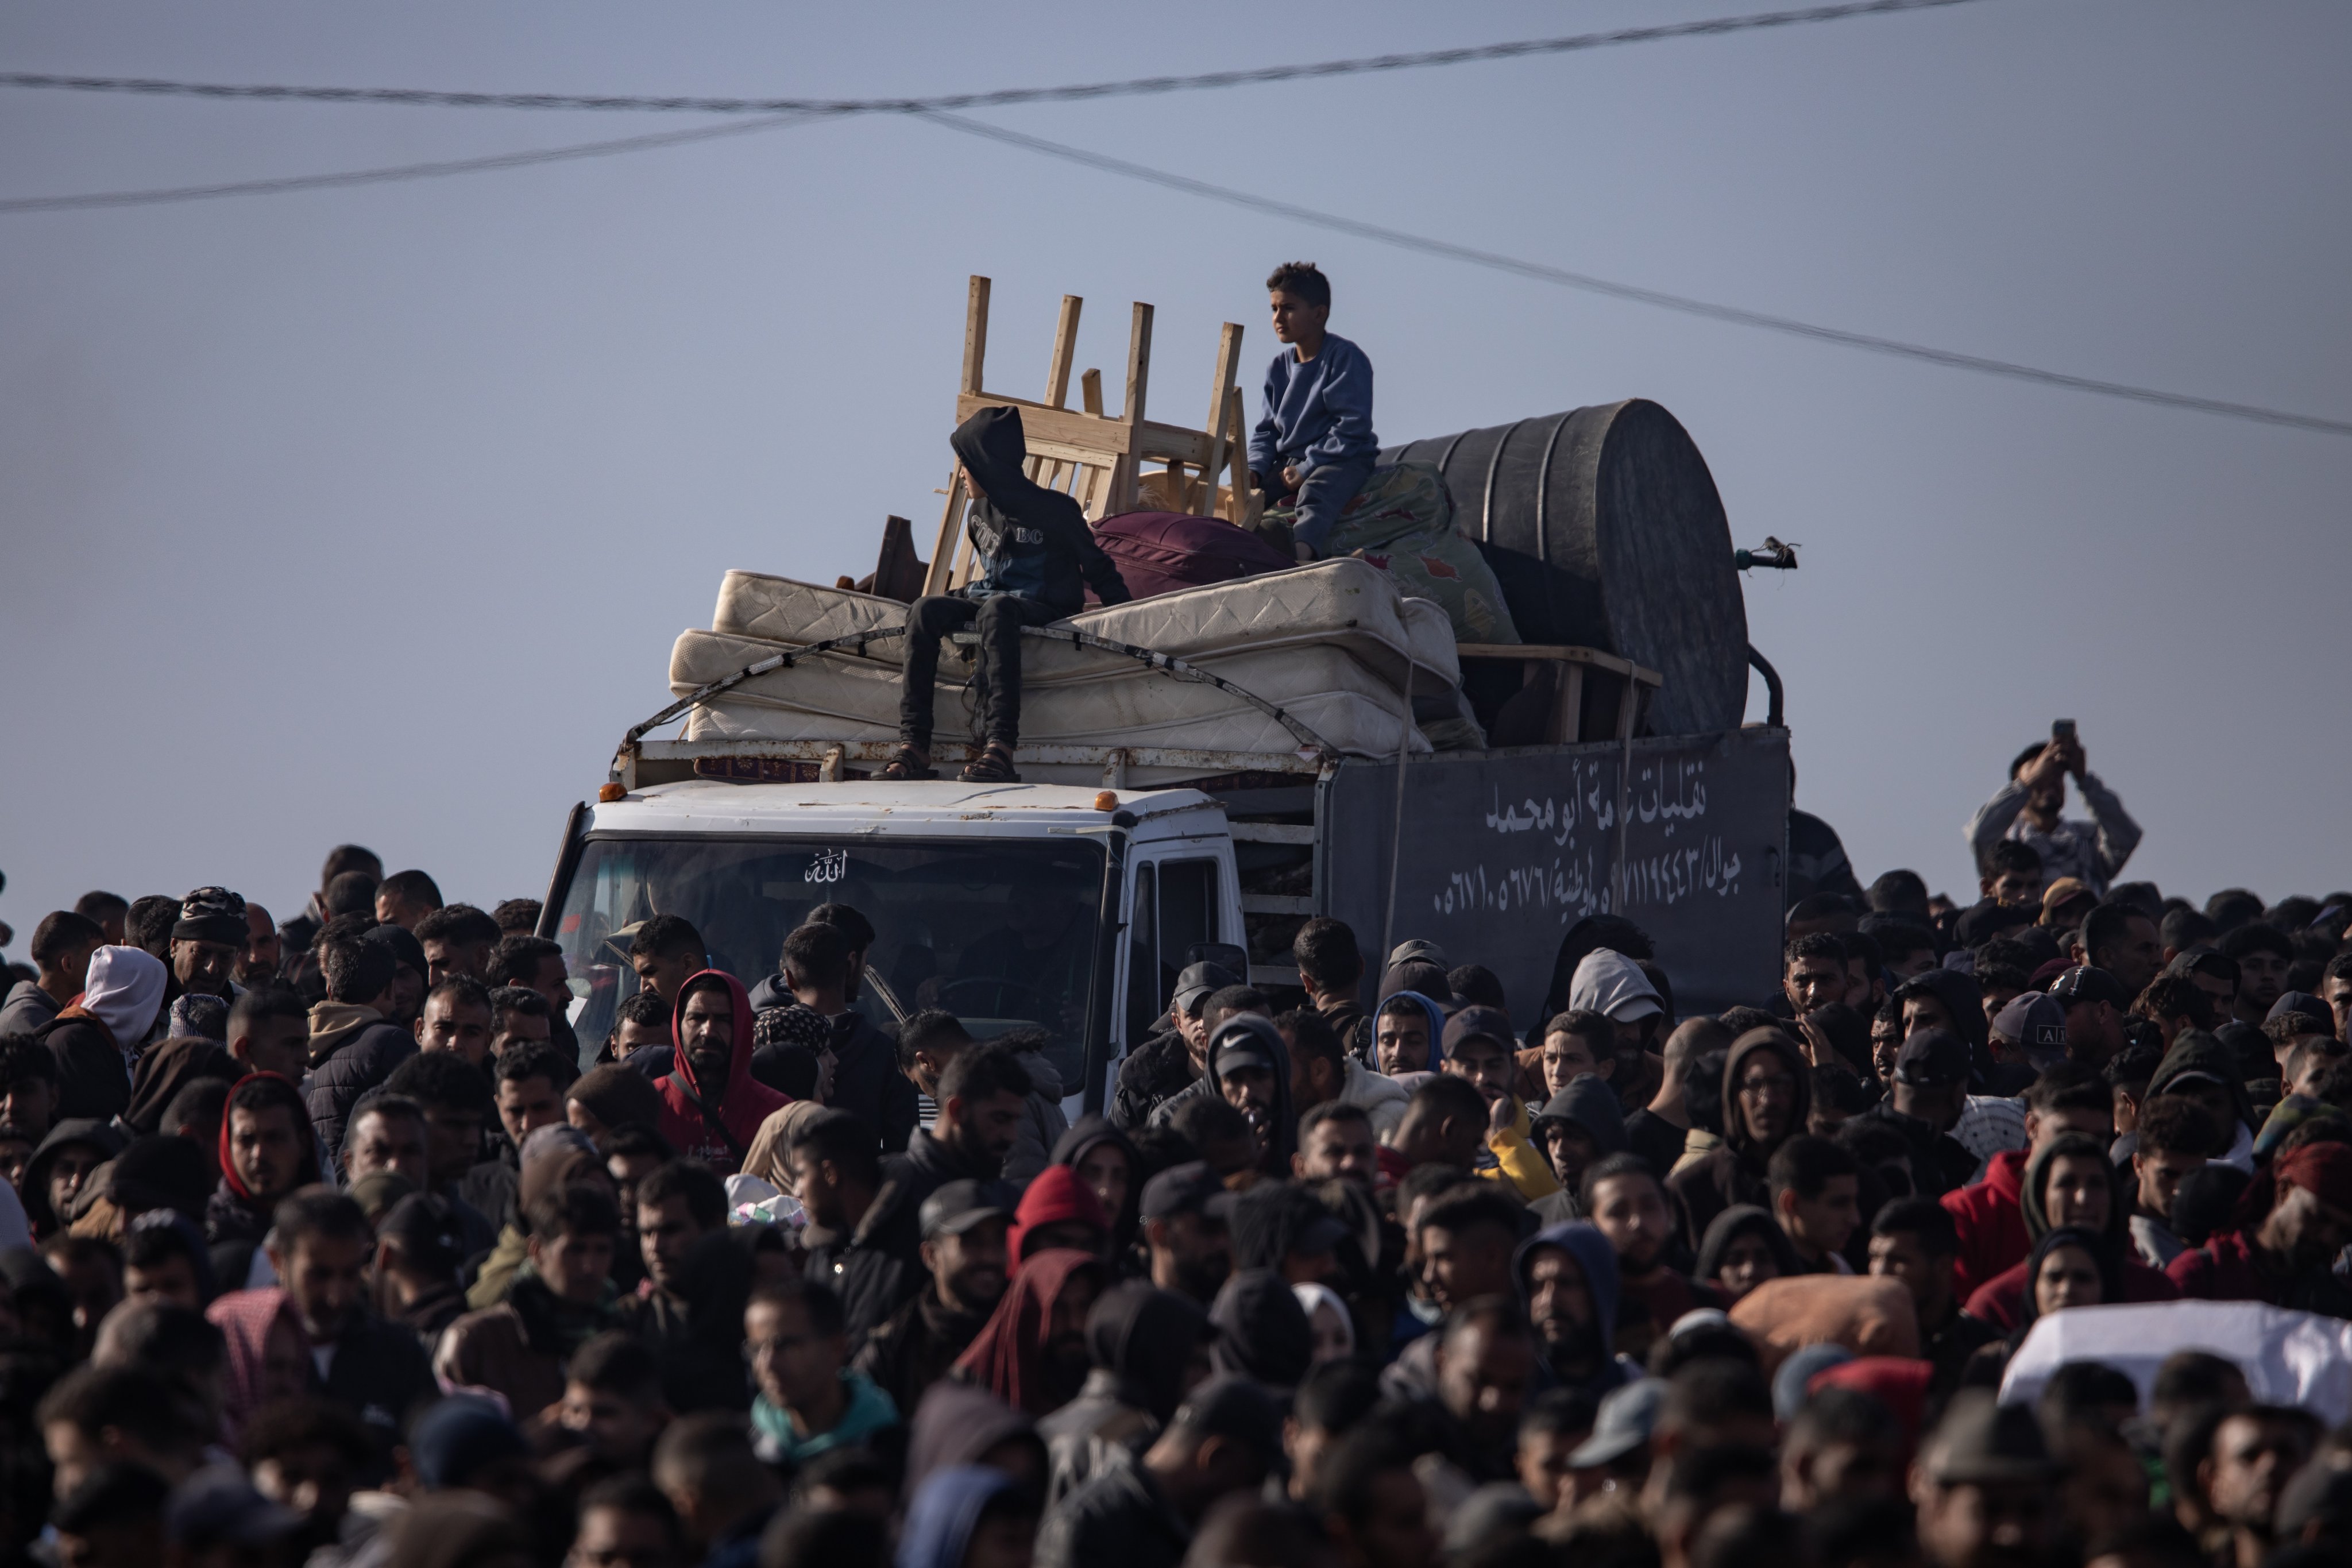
[{"x": 1057, "y": 912}]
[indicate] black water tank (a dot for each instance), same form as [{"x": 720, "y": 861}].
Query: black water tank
[{"x": 1605, "y": 530}]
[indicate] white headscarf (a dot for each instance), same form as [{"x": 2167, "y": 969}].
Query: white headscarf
[
  {"x": 124, "y": 991},
  {"x": 1313, "y": 1296}
]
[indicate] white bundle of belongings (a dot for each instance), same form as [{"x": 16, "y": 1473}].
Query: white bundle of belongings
[
  {"x": 2289, "y": 1358},
  {"x": 1333, "y": 644}
]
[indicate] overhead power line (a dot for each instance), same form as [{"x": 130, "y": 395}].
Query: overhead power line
[
  {"x": 285, "y": 183},
  {"x": 1684, "y": 303},
  {"x": 998, "y": 98}
]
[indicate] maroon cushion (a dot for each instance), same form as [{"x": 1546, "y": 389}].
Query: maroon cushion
[{"x": 1160, "y": 552}]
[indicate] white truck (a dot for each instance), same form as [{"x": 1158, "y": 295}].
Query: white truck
[{"x": 1073, "y": 906}]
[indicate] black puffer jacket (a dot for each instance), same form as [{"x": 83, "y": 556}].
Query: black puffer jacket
[
  {"x": 352, "y": 1050},
  {"x": 1159, "y": 1069}
]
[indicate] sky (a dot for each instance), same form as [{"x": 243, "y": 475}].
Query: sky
[{"x": 371, "y": 514}]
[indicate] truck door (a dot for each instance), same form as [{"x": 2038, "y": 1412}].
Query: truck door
[{"x": 1175, "y": 902}]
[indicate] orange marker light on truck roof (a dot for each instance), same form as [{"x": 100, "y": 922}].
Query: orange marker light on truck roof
[
  {"x": 609, "y": 793},
  {"x": 1107, "y": 800}
]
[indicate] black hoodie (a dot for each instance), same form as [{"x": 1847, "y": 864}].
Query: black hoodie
[
  {"x": 1733, "y": 1173},
  {"x": 1031, "y": 541}
]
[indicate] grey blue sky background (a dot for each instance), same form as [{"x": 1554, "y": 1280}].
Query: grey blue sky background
[{"x": 371, "y": 514}]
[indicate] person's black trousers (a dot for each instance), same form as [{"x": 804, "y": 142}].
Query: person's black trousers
[{"x": 1001, "y": 618}]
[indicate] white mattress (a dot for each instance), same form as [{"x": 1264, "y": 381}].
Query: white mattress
[
  {"x": 837, "y": 699},
  {"x": 1348, "y": 603}
]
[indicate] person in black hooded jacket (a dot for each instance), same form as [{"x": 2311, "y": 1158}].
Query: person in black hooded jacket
[{"x": 1033, "y": 546}]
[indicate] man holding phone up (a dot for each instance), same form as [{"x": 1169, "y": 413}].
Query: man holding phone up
[{"x": 2027, "y": 809}]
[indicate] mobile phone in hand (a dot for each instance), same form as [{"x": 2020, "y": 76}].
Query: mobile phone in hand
[{"x": 2062, "y": 732}]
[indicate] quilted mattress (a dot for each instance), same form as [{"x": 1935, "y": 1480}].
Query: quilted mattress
[{"x": 1347, "y": 604}]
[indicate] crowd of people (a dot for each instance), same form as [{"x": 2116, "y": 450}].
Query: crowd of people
[{"x": 326, "y": 1241}]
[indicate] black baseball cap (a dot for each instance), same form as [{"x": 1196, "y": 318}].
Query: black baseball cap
[
  {"x": 1490, "y": 1024},
  {"x": 1189, "y": 1188},
  {"x": 1245, "y": 1040},
  {"x": 1237, "y": 1408},
  {"x": 1196, "y": 983},
  {"x": 2084, "y": 984},
  {"x": 1933, "y": 1058},
  {"x": 956, "y": 1207}
]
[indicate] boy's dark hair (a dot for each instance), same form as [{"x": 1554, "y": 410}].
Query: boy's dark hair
[
  {"x": 300, "y": 1426},
  {"x": 640, "y": 1007},
  {"x": 2105, "y": 926},
  {"x": 1740, "y": 1020},
  {"x": 1806, "y": 1164},
  {"x": 165, "y": 1336},
  {"x": 515, "y": 960},
  {"x": 1900, "y": 891},
  {"x": 384, "y": 1104},
  {"x": 2234, "y": 907},
  {"x": 345, "y": 858},
  {"x": 265, "y": 1000},
  {"x": 97, "y": 906},
  {"x": 1347, "y": 1480},
  {"x": 617, "y": 1364},
  {"x": 2079, "y": 1389},
  {"x": 705, "y": 1194},
  {"x": 133, "y": 1399},
  {"x": 1209, "y": 1119},
  {"x": 1312, "y": 1036},
  {"x": 520, "y": 999},
  {"x": 1326, "y": 952},
  {"x": 356, "y": 970},
  {"x": 1897, "y": 938},
  {"x": 25, "y": 1060},
  {"x": 634, "y": 1494},
  {"x": 119, "y": 1492},
  {"x": 2068, "y": 1085},
  {"x": 2175, "y": 997},
  {"x": 1862, "y": 944},
  {"x": 1816, "y": 945},
  {"x": 849, "y": 921},
  {"x": 2185, "y": 928},
  {"x": 2006, "y": 855},
  {"x": 1594, "y": 1029},
  {"x": 983, "y": 1073},
  {"x": 1609, "y": 1168},
  {"x": 816, "y": 955},
  {"x": 309, "y": 1212},
  {"x": 459, "y": 925},
  {"x": 201, "y": 1104},
  {"x": 270, "y": 1093},
  {"x": 1448, "y": 1094},
  {"x": 1303, "y": 279},
  {"x": 350, "y": 893},
  {"x": 535, "y": 1059},
  {"x": 579, "y": 1209},
  {"x": 1477, "y": 984},
  {"x": 2257, "y": 936},
  {"x": 465, "y": 991},
  {"x": 145, "y": 1245},
  {"x": 846, "y": 1140},
  {"x": 1923, "y": 1217},
  {"x": 412, "y": 888},
  {"x": 842, "y": 1471},
  {"x": 2131, "y": 1068},
  {"x": 667, "y": 936},
  {"x": 1233, "y": 999},
  {"x": 1467, "y": 1206},
  {"x": 625, "y": 1142},
  {"x": 1845, "y": 1416},
  {"x": 518, "y": 916},
  {"x": 929, "y": 1029},
  {"x": 1427, "y": 1181},
  {"x": 1703, "y": 1088},
  {"x": 1335, "y": 1395},
  {"x": 825, "y": 1315},
  {"x": 1315, "y": 1116},
  {"x": 1840, "y": 1088},
  {"x": 59, "y": 932},
  {"x": 148, "y": 925},
  {"x": 443, "y": 1080}
]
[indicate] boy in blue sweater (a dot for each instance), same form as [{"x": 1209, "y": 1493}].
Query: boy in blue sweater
[{"x": 1316, "y": 441}]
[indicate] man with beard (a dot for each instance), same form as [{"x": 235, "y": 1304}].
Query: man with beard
[
  {"x": 1185, "y": 1213},
  {"x": 1767, "y": 1095},
  {"x": 1579, "y": 1125},
  {"x": 2029, "y": 809},
  {"x": 2286, "y": 1257},
  {"x": 1629, "y": 1207},
  {"x": 1913, "y": 1240},
  {"x": 1567, "y": 1276},
  {"x": 1335, "y": 1141},
  {"x": 711, "y": 1105},
  {"x": 692, "y": 1316},
  {"x": 267, "y": 1150},
  {"x": 208, "y": 940},
  {"x": 1983, "y": 1488},
  {"x": 458, "y": 940},
  {"x": 2253, "y": 1454},
  {"x": 1249, "y": 1066},
  {"x": 320, "y": 1245},
  {"x": 963, "y": 1253},
  {"x": 2121, "y": 940},
  {"x": 1170, "y": 1062}
]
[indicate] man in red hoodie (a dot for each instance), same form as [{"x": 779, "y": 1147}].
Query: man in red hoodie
[
  {"x": 1988, "y": 1213},
  {"x": 2293, "y": 1221},
  {"x": 711, "y": 1105}
]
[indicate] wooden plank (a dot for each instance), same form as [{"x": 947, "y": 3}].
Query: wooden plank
[
  {"x": 1138, "y": 380},
  {"x": 1091, "y": 431},
  {"x": 1090, "y": 393},
  {"x": 975, "y": 335},
  {"x": 1229, "y": 349},
  {"x": 1568, "y": 719},
  {"x": 943, "y": 550},
  {"x": 1066, "y": 349}
]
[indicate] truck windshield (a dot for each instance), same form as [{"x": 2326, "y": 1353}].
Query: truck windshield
[{"x": 1000, "y": 934}]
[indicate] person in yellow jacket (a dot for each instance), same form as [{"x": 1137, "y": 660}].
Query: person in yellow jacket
[{"x": 1478, "y": 1047}]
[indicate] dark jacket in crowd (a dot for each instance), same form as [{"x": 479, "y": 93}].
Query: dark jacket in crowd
[
  {"x": 1157, "y": 1070},
  {"x": 878, "y": 1268},
  {"x": 1588, "y": 1102},
  {"x": 379, "y": 1373},
  {"x": 1141, "y": 1342},
  {"x": 93, "y": 1080},
  {"x": 1656, "y": 1138},
  {"x": 866, "y": 1081},
  {"x": 1938, "y": 1163},
  {"x": 1029, "y": 539},
  {"x": 1596, "y": 1261},
  {"x": 1734, "y": 1173},
  {"x": 697, "y": 1333},
  {"x": 913, "y": 1347},
  {"x": 101, "y": 1136},
  {"x": 1120, "y": 1515},
  {"x": 352, "y": 1050}
]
